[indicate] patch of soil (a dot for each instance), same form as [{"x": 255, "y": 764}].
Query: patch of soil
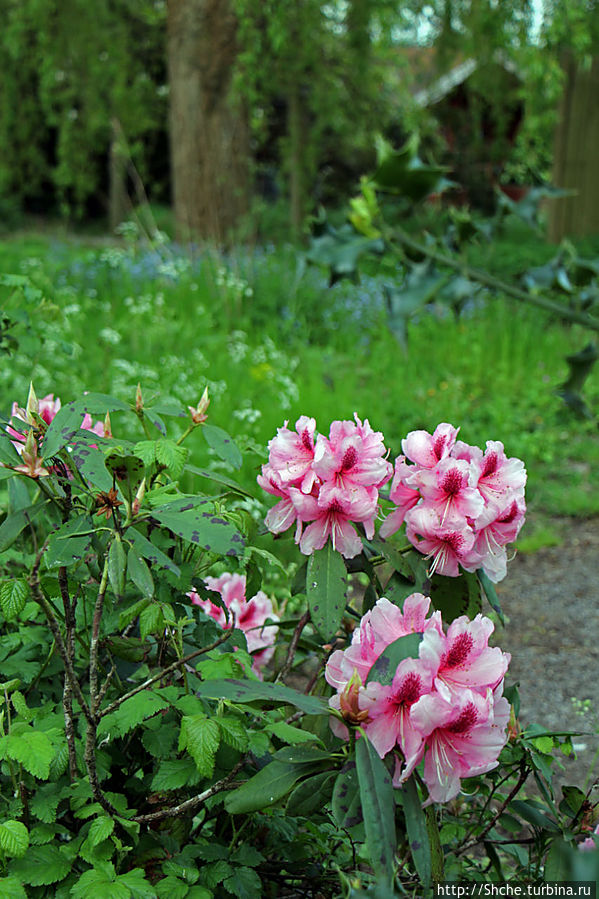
[{"x": 551, "y": 603}]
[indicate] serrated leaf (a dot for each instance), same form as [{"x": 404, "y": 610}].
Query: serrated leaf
[
  {"x": 201, "y": 737},
  {"x": 13, "y": 596},
  {"x": 30, "y": 747},
  {"x": 172, "y": 774},
  {"x": 151, "y": 620},
  {"x": 100, "y": 882},
  {"x": 70, "y": 542},
  {"x": 146, "y": 451},
  {"x": 20, "y": 705},
  {"x": 14, "y": 838},
  {"x": 233, "y": 733},
  {"x": 203, "y": 529},
  {"x": 384, "y": 668},
  {"x": 42, "y": 866},
  {"x": 12, "y": 888},
  {"x": 44, "y": 803},
  {"x": 132, "y": 712},
  {"x": 247, "y": 855},
  {"x": 100, "y": 830},
  {"x": 417, "y": 831},
  {"x": 326, "y": 589},
  {"x": 117, "y": 563},
  {"x": 171, "y": 888},
  {"x": 171, "y": 456},
  {"x": 136, "y": 883},
  {"x": 378, "y": 808},
  {"x": 244, "y": 883},
  {"x": 223, "y": 445},
  {"x": 251, "y": 691}
]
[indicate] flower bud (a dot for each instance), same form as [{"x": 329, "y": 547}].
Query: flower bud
[
  {"x": 139, "y": 403},
  {"x": 198, "y": 414},
  {"x": 107, "y": 426},
  {"x": 349, "y": 701},
  {"x": 32, "y": 404}
]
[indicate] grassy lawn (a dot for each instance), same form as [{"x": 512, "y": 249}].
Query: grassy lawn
[{"x": 273, "y": 342}]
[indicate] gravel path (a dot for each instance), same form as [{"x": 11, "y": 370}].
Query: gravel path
[{"x": 551, "y": 603}]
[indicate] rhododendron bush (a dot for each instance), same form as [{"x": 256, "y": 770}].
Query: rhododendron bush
[{"x": 196, "y": 705}]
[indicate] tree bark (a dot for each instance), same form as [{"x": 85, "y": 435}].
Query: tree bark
[
  {"x": 208, "y": 129},
  {"x": 575, "y": 148}
]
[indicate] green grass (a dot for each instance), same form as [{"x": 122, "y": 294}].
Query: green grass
[{"x": 110, "y": 319}]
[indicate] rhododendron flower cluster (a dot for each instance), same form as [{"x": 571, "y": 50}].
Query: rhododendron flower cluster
[
  {"x": 249, "y": 615},
  {"x": 445, "y": 706},
  {"x": 461, "y": 506},
  {"x": 329, "y": 483}
]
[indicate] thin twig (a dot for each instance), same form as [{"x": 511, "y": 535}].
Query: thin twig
[
  {"x": 286, "y": 667},
  {"x": 40, "y": 599},
  {"x": 516, "y": 789},
  {"x": 189, "y": 804},
  {"x": 162, "y": 673},
  {"x": 67, "y": 694}
]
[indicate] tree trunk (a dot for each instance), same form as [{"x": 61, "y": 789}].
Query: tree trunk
[
  {"x": 575, "y": 149},
  {"x": 118, "y": 202},
  {"x": 208, "y": 130}
]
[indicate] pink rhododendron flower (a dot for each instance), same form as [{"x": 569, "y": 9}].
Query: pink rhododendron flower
[
  {"x": 46, "y": 408},
  {"x": 327, "y": 483},
  {"x": 461, "y": 506},
  {"x": 445, "y": 706},
  {"x": 247, "y": 615},
  {"x": 462, "y": 737}
]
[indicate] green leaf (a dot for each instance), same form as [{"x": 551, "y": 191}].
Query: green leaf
[
  {"x": 69, "y": 544},
  {"x": 30, "y": 747},
  {"x": 100, "y": 882},
  {"x": 378, "y": 808},
  {"x": 117, "y": 563},
  {"x": 131, "y": 612},
  {"x": 146, "y": 451},
  {"x": 489, "y": 590},
  {"x": 246, "y": 855},
  {"x": 383, "y": 670},
  {"x": 135, "y": 881},
  {"x": 244, "y": 883},
  {"x": 128, "y": 472},
  {"x": 14, "y": 838},
  {"x": 223, "y": 445},
  {"x": 172, "y": 774},
  {"x": 252, "y": 691},
  {"x": 346, "y": 804},
  {"x": 171, "y": 456},
  {"x": 202, "y": 528},
  {"x": 100, "y": 830},
  {"x": 14, "y": 523},
  {"x": 151, "y": 620},
  {"x": 310, "y": 795},
  {"x": 65, "y": 424},
  {"x": 131, "y": 713},
  {"x": 8, "y": 453},
  {"x": 12, "y": 888},
  {"x": 326, "y": 589},
  {"x": 417, "y": 831},
  {"x": 140, "y": 574},
  {"x": 13, "y": 596},
  {"x": 150, "y": 552},
  {"x": 455, "y": 596},
  {"x": 219, "y": 479},
  {"x": 90, "y": 462},
  {"x": 266, "y": 787},
  {"x": 290, "y": 734},
  {"x": 233, "y": 732},
  {"x": 100, "y": 404},
  {"x": 20, "y": 705},
  {"x": 201, "y": 737},
  {"x": 42, "y": 865},
  {"x": 172, "y": 888},
  {"x": 557, "y": 862},
  {"x": 529, "y": 811}
]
